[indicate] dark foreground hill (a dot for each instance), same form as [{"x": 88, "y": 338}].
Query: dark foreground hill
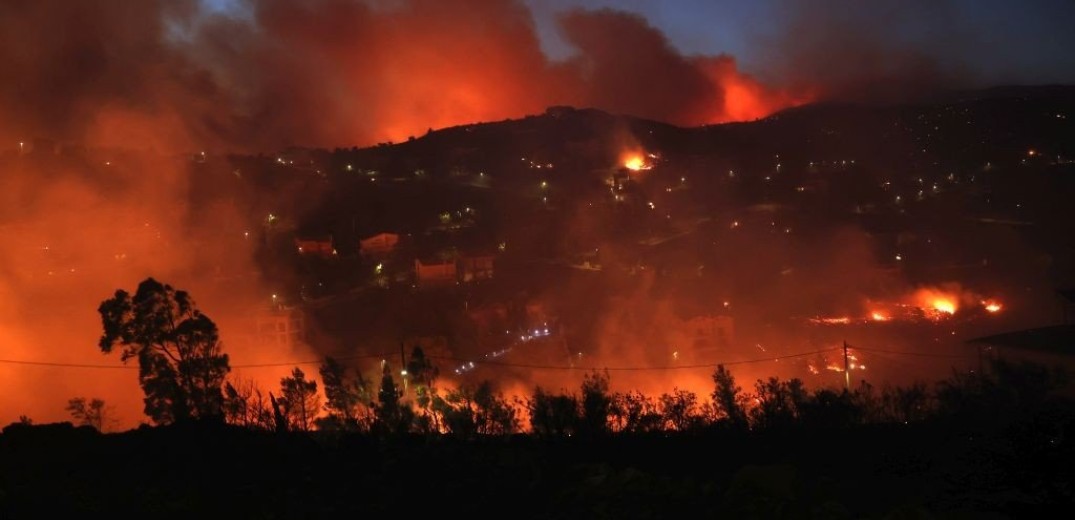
[{"x": 928, "y": 470}]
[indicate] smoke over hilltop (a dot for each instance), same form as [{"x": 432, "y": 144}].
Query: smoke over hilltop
[{"x": 176, "y": 76}]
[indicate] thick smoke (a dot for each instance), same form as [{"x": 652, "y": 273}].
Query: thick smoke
[
  {"x": 177, "y": 76},
  {"x": 79, "y": 225},
  {"x": 172, "y": 76},
  {"x": 877, "y": 51}
]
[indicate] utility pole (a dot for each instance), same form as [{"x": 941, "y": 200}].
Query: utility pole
[{"x": 847, "y": 369}]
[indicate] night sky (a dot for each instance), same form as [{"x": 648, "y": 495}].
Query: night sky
[{"x": 1001, "y": 41}]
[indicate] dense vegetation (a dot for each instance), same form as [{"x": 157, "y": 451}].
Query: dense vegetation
[{"x": 972, "y": 444}]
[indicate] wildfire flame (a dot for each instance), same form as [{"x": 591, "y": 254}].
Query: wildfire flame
[
  {"x": 937, "y": 303},
  {"x": 636, "y": 162},
  {"x": 929, "y": 303},
  {"x": 944, "y": 305}
]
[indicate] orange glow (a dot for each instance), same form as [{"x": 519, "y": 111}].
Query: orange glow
[
  {"x": 740, "y": 97},
  {"x": 944, "y": 305},
  {"x": 938, "y": 303},
  {"x": 356, "y": 75},
  {"x": 82, "y": 240},
  {"x": 636, "y": 162},
  {"x": 932, "y": 303}
]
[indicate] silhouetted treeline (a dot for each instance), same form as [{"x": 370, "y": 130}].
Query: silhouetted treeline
[
  {"x": 975, "y": 445},
  {"x": 1005, "y": 392}
]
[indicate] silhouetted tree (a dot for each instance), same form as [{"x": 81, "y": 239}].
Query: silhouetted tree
[
  {"x": 300, "y": 400},
  {"x": 457, "y": 413},
  {"x": 245, "y": 405},
  {"x": 391, "y": 415},
  {"x": 423, "y": 375},
  {"x": 496, "y": 416},
  {"x": 633, "y": 412},
  {"x": 91, "y": 413},
  {"x": 279, "y": 415},
  {"x": 1008, "y": 390},
  {"x": 728, "y": 401},
  {"x": 348, "y": 398},
  {"x": 680, "y": 411},
  {"x": 467, "y": 411},
  {"x": 828, "y": 408},
  {"x": 596, "y": 405},
  {"x": 552, "y": 415},
  {"x": 180, "y": 364},
  {"x": 778, "y": 402},
  {"x": 905, "y": 404}
]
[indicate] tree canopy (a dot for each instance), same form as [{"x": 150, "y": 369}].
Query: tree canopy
[{"x": 181, "y": 367}]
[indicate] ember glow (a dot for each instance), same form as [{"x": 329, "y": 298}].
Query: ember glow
[
  {"x": 936, "y": 303},
  {"x": 636, "y": 162},
  {"x": 944, "y": 305}
]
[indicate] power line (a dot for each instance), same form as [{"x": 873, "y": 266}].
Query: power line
[
  {"x": 447, "y": 358},
  {"x": 925, "y": 355},
  {"x": 319, "y": 361},
  {"x": 508, "y": 364},
  {"x": 134, "y": 367},
  {"x": 62, "y": 365}
]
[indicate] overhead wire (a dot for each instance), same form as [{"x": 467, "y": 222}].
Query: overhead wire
[{"x": 450, "y": 358}]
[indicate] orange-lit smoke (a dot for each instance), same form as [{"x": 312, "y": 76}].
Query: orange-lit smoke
[
  {"x": 170, "y": 76},
  {"x": 77, "y": 227},
  {"x": 744, "y": 97}
]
